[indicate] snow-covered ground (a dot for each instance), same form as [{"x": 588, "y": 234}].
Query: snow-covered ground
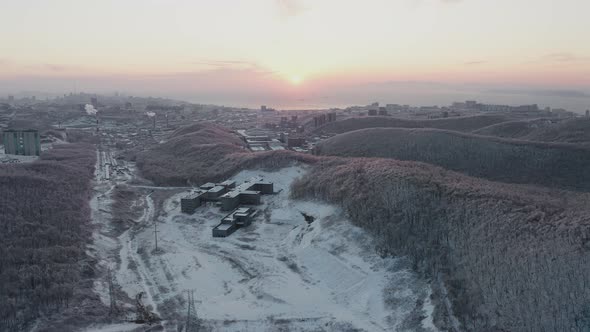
[{"x": 277, "y": 274}]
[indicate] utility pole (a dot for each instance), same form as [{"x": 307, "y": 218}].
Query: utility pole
[
  {"x": 189, "y": 312},
  {"x": 113, "y": 308},
  {"x": 156, "y": 232}
]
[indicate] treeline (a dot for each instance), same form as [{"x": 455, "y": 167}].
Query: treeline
[
  {"x": 514, "y": 161},
  {"x": 44, "y": 228},
  {"x": 575, "y": 130},
  {"x": 512, "y": 257},
  {"x": 464, "y": 124}
]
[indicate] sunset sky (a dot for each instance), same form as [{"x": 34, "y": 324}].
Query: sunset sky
[{"x": 290, "y": 47}]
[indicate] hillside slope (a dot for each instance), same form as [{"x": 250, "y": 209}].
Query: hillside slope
[
  {"x": 508, "y": 257},
  {"x": 553, "y": 165},
  {"x": 466, "y": 124},
  {"x": 545, "y": 130},
  {"x": 205, "y": 152},
  {"x": 512, "y": 258},
  {"x": 44, "y": 229}
]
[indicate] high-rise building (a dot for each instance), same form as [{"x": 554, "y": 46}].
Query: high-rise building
[
  {"x": 588, "y": 113},
  {"x": 22, "y": 142},
  {"x": 10, "y": 98},
  {"x": 319, "y": 120}
]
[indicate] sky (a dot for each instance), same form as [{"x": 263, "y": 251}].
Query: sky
[{"x": 339, "y": 51}]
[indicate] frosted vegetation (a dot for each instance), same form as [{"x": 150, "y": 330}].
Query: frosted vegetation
[
  {"x": 545, "y": 130},
  {"x": 204, "y": 152},
  {"x": 512, "y": 258},
  {"x": 501, "y": 256},
  {"x": 44, "y": 215},
  {"x": 506, "y": 160},
  {"x": 463, "y": 124}
]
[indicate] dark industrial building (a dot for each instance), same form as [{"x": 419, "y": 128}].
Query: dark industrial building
[
  {"x": 230, "y": 198},
  {"x": 22, "y": 142},
  {"x": 207, "y": 186},
  {"x": 265, "y": 188},
  {"x": 190, "y": 203},
  {"x": 227, "y": 193},
  {"x": 229, "y": 184},
  {"x": 247, "y": 193},
  {"x": 215, "y": 192},
  {"x": 240, "y": 217}
]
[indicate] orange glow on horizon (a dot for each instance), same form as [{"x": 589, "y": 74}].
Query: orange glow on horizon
[{"x": 296, "y": 79}]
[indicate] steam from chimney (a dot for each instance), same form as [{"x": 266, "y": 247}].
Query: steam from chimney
[
  {"x": 90, "y": 110},
  {"x": 150, "y": 114}
]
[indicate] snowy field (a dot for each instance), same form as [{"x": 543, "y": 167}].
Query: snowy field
[{"x": 278, "y": 274}]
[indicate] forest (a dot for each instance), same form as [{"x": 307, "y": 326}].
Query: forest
[
  {"x": 463, "y": 124},
  {"x": 508, "y": 257},
  {"x": 511, "y": 257},
  {"x": 205, "y": 152},
  {"x": 44, "y": 230},
  {"x": 544, "y": 130},
  {"x": 558, "y": 165}
]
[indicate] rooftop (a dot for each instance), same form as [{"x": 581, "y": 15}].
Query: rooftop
[
  {"x": 224, "y": 226},
  {"x": 216, "y": 189}
]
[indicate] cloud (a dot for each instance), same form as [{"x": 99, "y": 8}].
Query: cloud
[
  {"x": 564, "y": 57},
  {"x": 474, "y": 63},
  {"x": 54, "y": 67},
  {"x": 231, "y": 66},
  {"x": 543, "y": 93},
  {"x": 290, "y": 8},
  {"x": 224, "y": 63}
]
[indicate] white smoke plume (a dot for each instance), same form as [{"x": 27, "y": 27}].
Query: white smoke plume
[
  {"x": 150, "y": 114},
  {"x": 90, "y": 110}
]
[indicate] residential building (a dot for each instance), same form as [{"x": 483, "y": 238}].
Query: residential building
[{"x": 22, "y": 142}]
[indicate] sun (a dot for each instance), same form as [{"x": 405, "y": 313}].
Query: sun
[{"x": 296, "y": 79}]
